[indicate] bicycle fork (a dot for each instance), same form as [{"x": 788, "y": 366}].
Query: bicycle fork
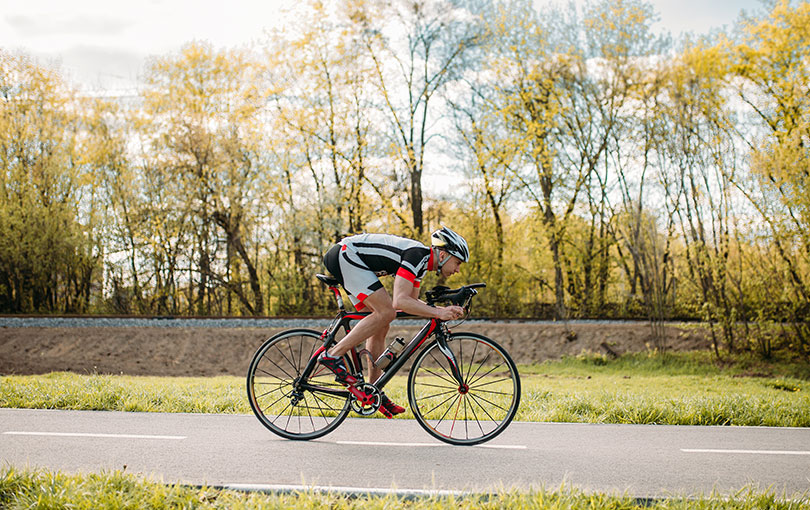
[{"x": 441, "y": 341}]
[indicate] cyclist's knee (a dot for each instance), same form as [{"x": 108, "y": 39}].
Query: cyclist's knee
[
  {"x": 381, "y": 306},
  {"x": 386, "y": 315}
]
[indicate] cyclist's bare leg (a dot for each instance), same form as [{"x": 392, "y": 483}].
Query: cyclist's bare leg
[
  {"x": 374, "y": 325},
  {"x": 376, "y": 345}
]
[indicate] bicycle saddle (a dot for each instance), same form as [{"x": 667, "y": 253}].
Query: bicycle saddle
[{"x": 328, "y": 280}]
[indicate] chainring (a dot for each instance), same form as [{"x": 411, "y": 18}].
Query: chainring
[{"x": 369, "y": 406}]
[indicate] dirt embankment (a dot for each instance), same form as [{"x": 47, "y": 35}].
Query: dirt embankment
[{"x": 227, "y": 351}]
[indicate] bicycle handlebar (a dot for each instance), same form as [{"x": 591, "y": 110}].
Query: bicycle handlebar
[{"x": 460, "y": 297}]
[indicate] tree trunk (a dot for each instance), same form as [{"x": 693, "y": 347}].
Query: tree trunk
[{"x": 232, "y": 229}]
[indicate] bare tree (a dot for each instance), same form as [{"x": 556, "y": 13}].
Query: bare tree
[{"x": 417, "y": 47}]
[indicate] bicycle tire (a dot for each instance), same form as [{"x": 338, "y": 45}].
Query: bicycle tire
[
  {"x": 464, "y": 415},
  {"x": 271, "y": 377}
]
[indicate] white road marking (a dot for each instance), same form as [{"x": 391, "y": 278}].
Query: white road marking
[
  {"x": 81, "y": 434},
  {"x": 750, "y": 452},
  {"x": 417, "y": 445}
]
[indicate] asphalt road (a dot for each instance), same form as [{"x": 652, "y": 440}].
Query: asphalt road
[{"x": 378, "y": 455}]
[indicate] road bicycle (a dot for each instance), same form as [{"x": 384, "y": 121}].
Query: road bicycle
[{"x": 463, "y": 388}]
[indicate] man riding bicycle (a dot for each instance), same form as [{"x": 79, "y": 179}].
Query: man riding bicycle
[{"x": 357, "y": 261}]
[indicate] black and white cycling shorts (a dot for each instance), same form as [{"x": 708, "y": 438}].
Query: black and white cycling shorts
[{"x": 357, "y": 279}]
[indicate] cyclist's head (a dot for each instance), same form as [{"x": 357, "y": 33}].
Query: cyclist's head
[{"x": 452, "y": 243}]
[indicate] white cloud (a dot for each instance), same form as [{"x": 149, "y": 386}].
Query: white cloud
[
  {"x": 106, "y": 42},
  {"x": 700, "y": 16},
  {"x": 34, "y": 26}
]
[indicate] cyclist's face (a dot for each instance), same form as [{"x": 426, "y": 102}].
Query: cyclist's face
[{"x": 452, "y": 266}]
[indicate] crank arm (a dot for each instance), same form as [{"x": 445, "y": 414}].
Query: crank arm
[{"x": 360, "y": 395}]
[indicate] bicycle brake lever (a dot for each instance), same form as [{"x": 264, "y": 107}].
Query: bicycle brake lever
[{"x": 463, "y": 297}]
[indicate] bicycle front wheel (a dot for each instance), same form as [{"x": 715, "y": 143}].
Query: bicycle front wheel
[
  {"x": 279, "y": 399},
  {"x": 472, "y": 412}
]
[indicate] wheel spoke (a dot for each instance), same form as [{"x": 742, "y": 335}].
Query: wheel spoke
[
  {"x": 318, "y": 400},
  {"x": 283, "y": 411},
  {"x": 455, "y": 395},
  {"x": 279, "y": 399},
  {"x": 287, "y": 374},
  {"x": 451, "y": 391},
  {"x": 475, "y": 416},
  {"x": 469, "y": 368},
  {"x": 311, "y": 419},
  {"x": 455, "y": 416},
  {"x": 429, "y": 385},
  {"x": 278, "y": 388},
  {"x": 452, "y": 382},
  {"x": 289, "y": 417},
  {"x": 292, "y": 358},
  {"x": 475, "y": 399},
  {"x": 475, "y": 377},
  {"x": 288, "y": 360},
  {"x": 493, "y": 369},
  {"x": 478, "y": 387},
  {"x": 441, "y": 363}
]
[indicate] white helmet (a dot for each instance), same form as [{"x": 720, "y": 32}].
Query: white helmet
[{"x": 452, "y": 243}]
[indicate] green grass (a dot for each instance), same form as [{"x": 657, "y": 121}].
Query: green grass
[
  {"x": 47, "y": 490},
  {"x": 64, "y": 390},
  {"x": 675, "y": 389},
  {"x": 683, "y": 389}
]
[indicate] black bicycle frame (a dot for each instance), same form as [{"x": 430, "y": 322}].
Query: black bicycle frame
[{"x": 342, "y": 320}]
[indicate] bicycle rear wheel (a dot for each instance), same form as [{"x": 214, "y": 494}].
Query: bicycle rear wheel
[
  {"x": 475, "y": 411},
  {"x": 284, "y": 406}
]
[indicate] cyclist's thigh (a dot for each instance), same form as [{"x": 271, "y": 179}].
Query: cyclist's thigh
[{"x": 380, "y": 301}]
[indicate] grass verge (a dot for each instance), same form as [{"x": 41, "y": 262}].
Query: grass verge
[
  {"x": 673, "y": 389},
  {"x": 45, "y": 489}
]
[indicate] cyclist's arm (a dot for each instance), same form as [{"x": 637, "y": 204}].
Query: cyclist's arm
[{"x": 406, "y": 299}]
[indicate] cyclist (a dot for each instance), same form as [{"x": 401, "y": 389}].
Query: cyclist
[{"x": 357, "y": 261}]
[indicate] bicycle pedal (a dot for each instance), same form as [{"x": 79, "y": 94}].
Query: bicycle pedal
[
  {"x": 386, "y": 413},
  {"x": 349, "y": 382}
]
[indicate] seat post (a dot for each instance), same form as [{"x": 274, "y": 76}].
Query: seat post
[{"x": 339, "y": 298}]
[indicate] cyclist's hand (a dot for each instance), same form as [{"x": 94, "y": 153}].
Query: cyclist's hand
[{"x": 451, "y": 313}]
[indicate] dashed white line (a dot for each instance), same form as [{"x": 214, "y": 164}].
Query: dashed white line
[
  {"x": 418, "y": 445},
  {"x": 749, "y": 452},
  {"x": 82, "y": 434}
]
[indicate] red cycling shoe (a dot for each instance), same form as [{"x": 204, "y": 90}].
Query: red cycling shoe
[
  {"x": 389, "y": 408},
  {"x": 338, "y": 367}
]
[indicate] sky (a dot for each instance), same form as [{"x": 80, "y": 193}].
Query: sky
[{"x": 105, "y": 44}]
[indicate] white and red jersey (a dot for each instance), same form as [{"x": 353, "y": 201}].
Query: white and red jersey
[
  {"x": 387, "y": 254},
  {"x": 357, "y": 261}
]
